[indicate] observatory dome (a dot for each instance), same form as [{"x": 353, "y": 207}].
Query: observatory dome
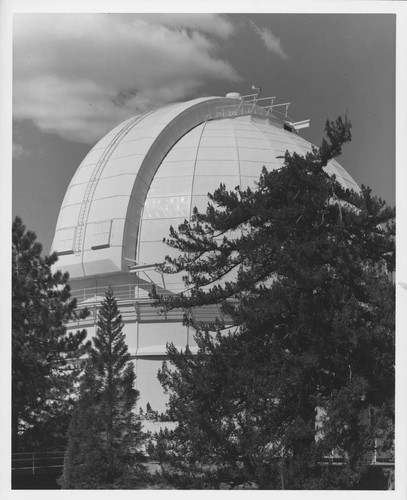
[
  {"x": 145, "y": 175},
  {"x": 151, "y": 170}
]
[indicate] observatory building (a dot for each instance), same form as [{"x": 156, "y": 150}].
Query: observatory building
[{"x": 145, "y": 175}]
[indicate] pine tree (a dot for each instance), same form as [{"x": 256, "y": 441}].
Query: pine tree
[
  {"x": 104, "y": 435},
  {"x": 42, "y": 377},
  {"x": 85, "y": 457},
  {"x": 300, "y": 265}
]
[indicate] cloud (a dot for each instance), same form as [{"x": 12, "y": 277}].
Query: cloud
[
  {"x": 271, "y": 42},
  {"x": 213, "y": 24},
  {"x": 78, "y": 75}
]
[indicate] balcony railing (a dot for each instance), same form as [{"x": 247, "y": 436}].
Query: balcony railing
[
  {"x": 138, "y": 306},
  {"x": 122, "y": 292}
]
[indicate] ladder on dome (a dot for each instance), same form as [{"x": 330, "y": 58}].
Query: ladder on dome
[{"x": 91, "y": 186}]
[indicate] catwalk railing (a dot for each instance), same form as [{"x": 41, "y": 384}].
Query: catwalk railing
[
  {"x": 123, "y": 292},
  {"x": 136, "y": 305}
]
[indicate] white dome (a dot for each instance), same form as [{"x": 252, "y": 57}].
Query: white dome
[
  {"x": 150, "y": 171},
  {"x": 144, "y": 176}
]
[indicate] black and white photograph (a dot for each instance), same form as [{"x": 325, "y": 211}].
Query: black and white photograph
[{"x": 201, "y": 203}]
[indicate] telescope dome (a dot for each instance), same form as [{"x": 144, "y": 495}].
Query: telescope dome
[
  {"x": 146, "y": 175},
  {"x": 151, "y": 170}
]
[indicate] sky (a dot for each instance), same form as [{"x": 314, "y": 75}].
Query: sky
[{"x": 76, "y": 76}]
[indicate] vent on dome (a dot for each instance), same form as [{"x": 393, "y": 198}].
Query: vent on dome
[
  {"x": 101, "y": 234},
  {"x": 65, "y": 243}
]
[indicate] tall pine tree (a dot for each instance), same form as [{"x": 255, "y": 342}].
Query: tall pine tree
[
  {"x": 300, "y": 265},
  {"x": 42, "y": 377},
  {"x": 104, "y": 435}
]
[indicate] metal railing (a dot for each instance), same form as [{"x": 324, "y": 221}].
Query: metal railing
[
  {"x": 36, "y": 462},
  {"x": 122, "y": 292},
  {"x": 141, "y": 305},
  {"x": 246, "y": 106}
]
